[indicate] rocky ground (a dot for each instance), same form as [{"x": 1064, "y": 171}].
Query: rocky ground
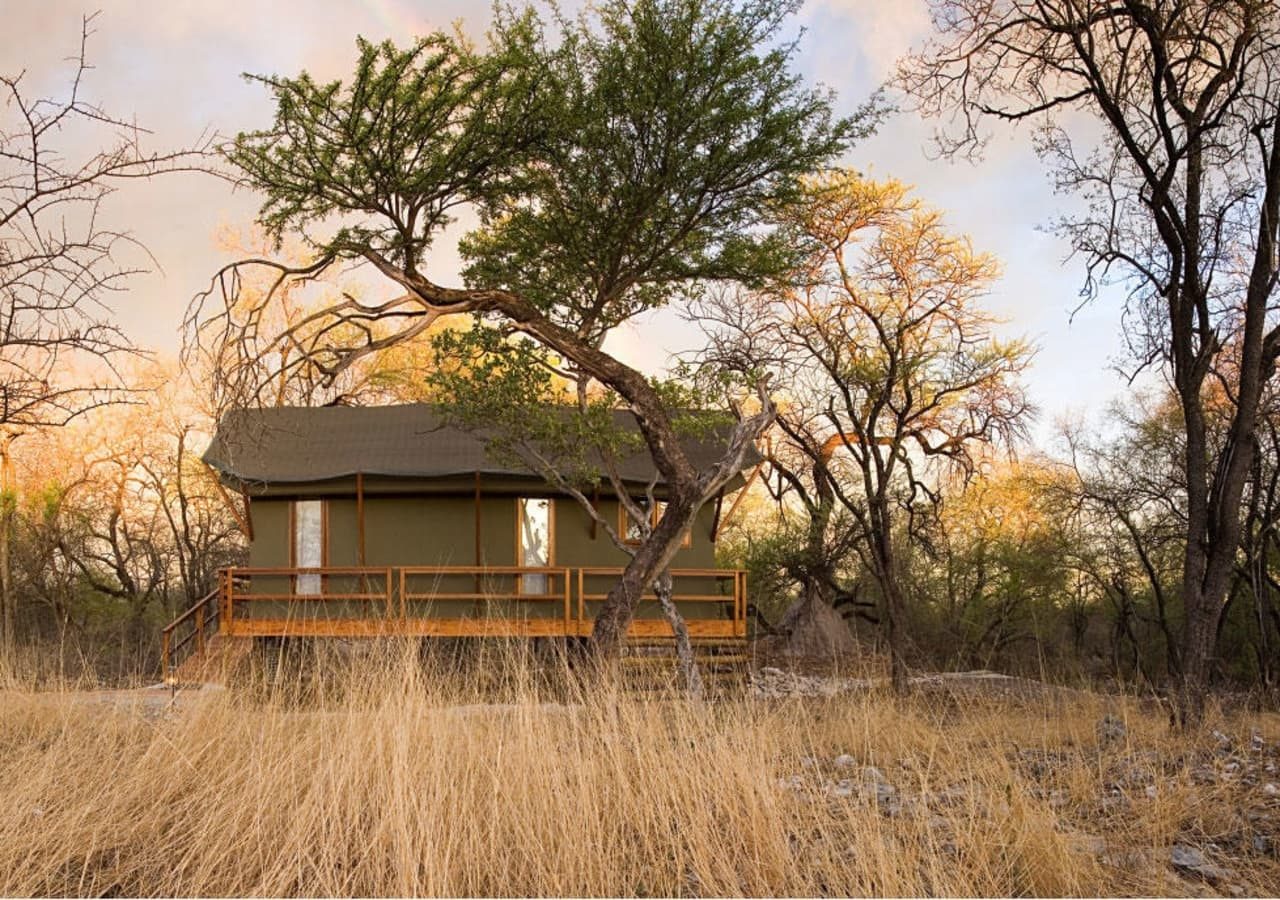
[
  {"x": 1231, "y": 848},
  {"x": 774, "y": 682}
]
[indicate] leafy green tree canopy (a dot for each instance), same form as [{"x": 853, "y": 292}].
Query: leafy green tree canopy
[
  {"x": 616, "y": 160},
  {"x": 639, "y": 153}
]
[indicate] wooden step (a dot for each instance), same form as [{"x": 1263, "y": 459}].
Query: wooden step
[
  {"x": 217, "y": 664},
  {"x": 659, "y": 661}
]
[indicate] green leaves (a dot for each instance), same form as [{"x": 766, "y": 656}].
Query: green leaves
[
  {"x": 509, "y": 391},
  {"x": 512, "y": 392},
  {"x": 678, "y": 128},
  {"x": 641, "y": 154},
  {"x": 383, "y": 160}
]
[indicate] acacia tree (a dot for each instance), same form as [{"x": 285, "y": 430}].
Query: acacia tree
[
  {"x": 995, "y": 580},
  {"x": 886, "y": 362},
  {"x": 526, "y": 407},
  {"x": 1181, "y": 205},
  {"x": 613, "y": 172},
  {"x": 60, "y": 261}
]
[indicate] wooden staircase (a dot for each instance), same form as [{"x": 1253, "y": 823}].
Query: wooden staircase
[
  {"x": 650, "y": 666},
  {"x": 220, "y": 660},
  {"x": 193, "y": 649}
]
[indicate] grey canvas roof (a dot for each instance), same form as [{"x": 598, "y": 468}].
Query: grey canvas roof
[{"x": 287, "y": 445}]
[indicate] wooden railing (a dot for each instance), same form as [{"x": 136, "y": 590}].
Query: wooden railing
[
  {"x": 511, "y": 601},
  {"x": 486, "y": 581},
  {"x": 197, "y": 625},
  {"x": 713, "y": 626}
]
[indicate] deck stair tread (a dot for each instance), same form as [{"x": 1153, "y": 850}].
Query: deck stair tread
[
  {"x": 217, "y": 663},
  {"x": 651, "y": 666}
]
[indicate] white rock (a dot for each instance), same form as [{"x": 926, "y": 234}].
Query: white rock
[
  {"x": 1185, "y": 857},
  {"x": 844, "y": 761},
  {"x": 791, "y": 783}
]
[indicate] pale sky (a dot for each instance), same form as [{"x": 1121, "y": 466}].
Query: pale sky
[{"x": 175, "y": 66}]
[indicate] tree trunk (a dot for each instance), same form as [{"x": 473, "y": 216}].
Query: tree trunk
[
  {"x": 1197, "y": 650},
  {"x": 684, "y": 647},
  {"x": 8, "y": 639},
  {"x": 1213, "y": 541},
  {"x": 893, "y": 632},
  {"x": 8, "y": 602},
  {"x": 884, "y": 564},
  {"x": 651, "y": 558}
]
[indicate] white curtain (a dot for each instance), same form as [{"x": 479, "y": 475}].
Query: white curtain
[
  {"x": 308, "y": 543},
  {"x": 535, "y": 542}
]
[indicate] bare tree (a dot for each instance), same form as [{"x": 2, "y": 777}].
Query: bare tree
[
  {"x": 60, "y": 261},
  {"x": 1130, "y": 491},
  {"x": 886, "y": 361},
  {"x": 1181, "y": 205},
  {"x": 119, "y": 523},
  {"x": 59, "y": 258}
]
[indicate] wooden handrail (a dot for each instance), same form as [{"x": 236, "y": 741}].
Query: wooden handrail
[
  {"x": 483, "y": 570},
  {"x": 200, "y": 619},
  {"x": 675, "y": 573},
  {"x": 283, "y": 571},
  {"x": 192, "y": 611},
  {"x": 394, "y": 585},
  {"x": 735, "y": 599}
]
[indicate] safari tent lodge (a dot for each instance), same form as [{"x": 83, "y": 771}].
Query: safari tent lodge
[{"x": 379, "y": 521}]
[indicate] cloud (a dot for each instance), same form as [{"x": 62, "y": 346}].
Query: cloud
[{"x": 176, "y": 66}]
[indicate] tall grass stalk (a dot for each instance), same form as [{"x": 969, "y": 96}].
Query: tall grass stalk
[{"x": 395, "y": 775}]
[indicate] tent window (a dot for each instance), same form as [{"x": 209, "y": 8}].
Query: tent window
[
  {"x": 308, "y": 543},
  {"x": 630, "y": 529},
  {"x": 534, "y": 545}
]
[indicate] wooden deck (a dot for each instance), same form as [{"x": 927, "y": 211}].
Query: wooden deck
[{"x": 444, "y": 601}]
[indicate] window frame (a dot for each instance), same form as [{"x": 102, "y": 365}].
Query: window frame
[
  {"x": 551, "y": 539},
  {"x": 659, "y": 506},
  {"x": 293, "y": 538}
]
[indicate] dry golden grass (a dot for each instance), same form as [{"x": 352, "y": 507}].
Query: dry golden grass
[{"x": 392, "y": 780}]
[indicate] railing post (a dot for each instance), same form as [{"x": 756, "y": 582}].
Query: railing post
[
  {"x": 391, "y": 604},
  {"x": 404, "y": 606},
  {"x": 740, "y": 588},
  {"x": 164, "y": 655},
  {"x": 582, "y": 580},
  {"x": 228, "y": 598},
  {"x": 567, "y": 615},
  {"x": 200, "y": 628}
]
